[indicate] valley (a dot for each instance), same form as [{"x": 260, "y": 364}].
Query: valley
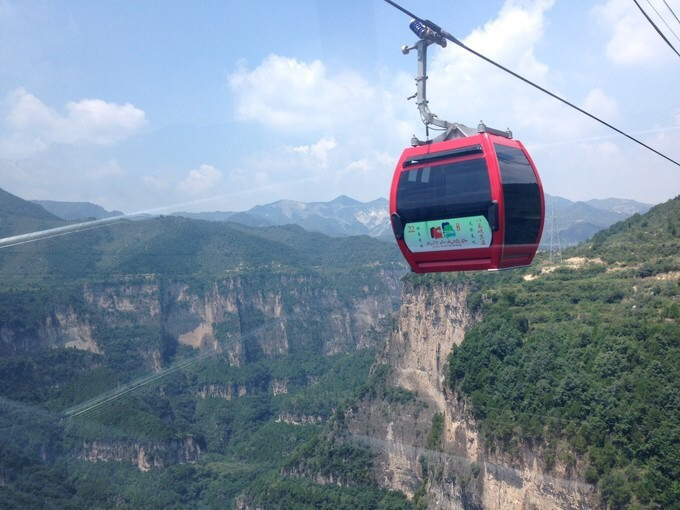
[{"x": 200, "y": 364}]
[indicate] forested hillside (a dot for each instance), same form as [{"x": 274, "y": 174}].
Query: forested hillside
[
  {"x": 582, "y": 359},
  {"x": 174, "y": 362},
  {"x": 18, "y": 216},
  {"x": 563, "y": 392}
]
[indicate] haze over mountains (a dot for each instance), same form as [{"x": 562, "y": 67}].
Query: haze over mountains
[
  {"x": 569, "y": 222},
  {"x": 575, "y": 221},
  {"x": 76, "y": 210},
  {"x": 340, "y": 217}
]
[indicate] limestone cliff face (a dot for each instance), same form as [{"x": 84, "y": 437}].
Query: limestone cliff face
[
  {"x": 145, "y": 455},
  {"x": 63, "y": 327},
  {"x": 461, "y": 472},
  {"x": 246, "y": 316}
]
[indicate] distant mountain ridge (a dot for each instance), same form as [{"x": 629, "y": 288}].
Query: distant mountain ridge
[
  {"x": 577, "y": 221},
  {"x": 19, "y": 216},
  {"x": 574, "y": 221},
  {"x": 342, "y": 216},
  {"x": 76, "y": 210}
]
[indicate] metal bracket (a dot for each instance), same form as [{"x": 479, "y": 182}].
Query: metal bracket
[{"x": 451, "y": 130}]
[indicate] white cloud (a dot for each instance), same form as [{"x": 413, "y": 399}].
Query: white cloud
[
  {"x": 601, "y": 105},
  {"x": 32, "y": 126},
  {"x": 300, "y": 98},
  {"x": 286, "y": 93},
  {"x": 200, "y": 180},
  {"x": 154, "y": 184},
  {"x": 371, "y": 164},
  {"x": 513, "y": 35},
  {"x": 318, "y": 151},
  {"x": 463, "y": 88},
  {"x": 632, "y": 39},
  {"x": 338, "y": 117}
]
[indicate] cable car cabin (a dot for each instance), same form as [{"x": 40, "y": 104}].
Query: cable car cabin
[{"x": 467, "y": 204}]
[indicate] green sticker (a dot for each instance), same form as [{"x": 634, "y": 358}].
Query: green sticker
[{"x": 465, "y": 233}]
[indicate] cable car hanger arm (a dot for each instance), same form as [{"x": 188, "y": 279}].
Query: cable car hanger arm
[
  {"x": 443, "y": 34},
  {"x": 426, "y": 37}
]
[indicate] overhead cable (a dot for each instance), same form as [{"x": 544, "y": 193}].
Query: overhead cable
[
  {"x": 451, "y": 38},
  {"x": 656, "y": 28},
  {"x": 672, "y": 11},
  {"x": 662, "y": 19}
]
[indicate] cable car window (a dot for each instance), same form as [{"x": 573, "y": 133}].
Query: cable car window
[
  {"x": 521, "y": 196},
  {"x": 444, "y": 191}
]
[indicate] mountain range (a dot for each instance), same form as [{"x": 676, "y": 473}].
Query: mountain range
[
  {"x": 342, "y": 216},
  {"x": 573, "y": 221},
  {"x": 567, "y": 222},
  {"x": 76, "y": 210}
]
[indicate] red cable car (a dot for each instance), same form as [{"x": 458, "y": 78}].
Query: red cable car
[
  {"x": 469, "y": 200},
  {"x": 470, "y": 203}
]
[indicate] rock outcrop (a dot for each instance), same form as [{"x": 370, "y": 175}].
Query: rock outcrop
[
  {"x": 245, "y": 316},
  {"x": 459, "y": 471},
  {"x": 145, "y": 454}
]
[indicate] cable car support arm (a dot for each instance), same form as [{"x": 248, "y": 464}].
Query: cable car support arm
[{"x": 451, "y": 130}]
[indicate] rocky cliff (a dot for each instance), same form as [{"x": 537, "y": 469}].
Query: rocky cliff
[
  {"x": 145, "y": 455},
  {"x": 444, "y": 462},
  {"x": 247, "y": 316}
]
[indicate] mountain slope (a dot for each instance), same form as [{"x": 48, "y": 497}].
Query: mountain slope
[
  {"x": 342, "y": 216},
  {"x": 19, "y": 216},
  {"x": 189, "y": 356},
  {"x": 550, "y": 387},
  {"x": 584, "y": 359},
  {"x": 76, "y": 210}
]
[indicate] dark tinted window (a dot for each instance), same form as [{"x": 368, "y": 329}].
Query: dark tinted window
[
  {"x": 444, "y": 191},
  {"x": 521, "y": 196}
]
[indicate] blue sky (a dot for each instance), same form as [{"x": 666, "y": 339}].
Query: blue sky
[{"x": 224, "y": 105}]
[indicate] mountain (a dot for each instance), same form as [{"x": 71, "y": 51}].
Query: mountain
[
  {"x": 18, "y": 216},
  {"x": 76, "y": 210},
  {"x": 573, "y": 221},
  {"x": 550, "y": 387},
  {"x": 342, "y": 216},
  {"x": 620, "y": 205},
  {"x": 190, "y": 356}
]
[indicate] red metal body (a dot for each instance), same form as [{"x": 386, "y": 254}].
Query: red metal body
[{"x": 498, "y": 254}]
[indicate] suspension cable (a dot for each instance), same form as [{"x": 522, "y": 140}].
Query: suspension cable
[
  {"x": 662, "y": 19},
  {"x": 672, "y": 11},
  {"x": 658, "y": 30}
]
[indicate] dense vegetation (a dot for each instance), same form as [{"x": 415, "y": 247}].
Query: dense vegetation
[
  {"x": 202, "y": 250},
  {"x": 583, "y": 360},
  {"x": 60, "y": 406},
  {"x": 245, "y": 443},
  {"x": 19, "y": 216}
]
